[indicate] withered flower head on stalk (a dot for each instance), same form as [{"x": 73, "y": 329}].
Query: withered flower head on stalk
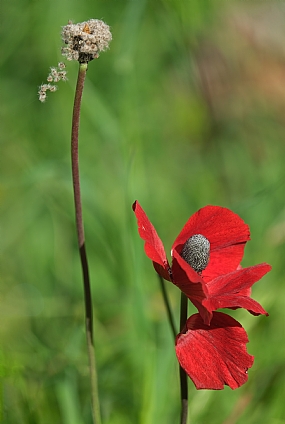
[{"x": 85, "y": 40}]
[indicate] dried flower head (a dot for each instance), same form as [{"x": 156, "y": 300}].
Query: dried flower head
[{"x": 84, "y": 41}]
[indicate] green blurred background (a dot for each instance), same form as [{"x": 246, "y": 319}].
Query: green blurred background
[{"x": 185, "y": 109}]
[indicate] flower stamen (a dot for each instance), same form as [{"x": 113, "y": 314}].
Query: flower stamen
[{"x": 196, "y": 252}]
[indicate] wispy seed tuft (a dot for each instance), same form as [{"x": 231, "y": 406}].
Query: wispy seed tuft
[{"x": 56, "y": 74}]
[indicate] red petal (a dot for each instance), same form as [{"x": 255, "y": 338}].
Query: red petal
[
  {"x": 154, "y": 248},
  {"x": 215, "y": 355},
  {"x": 227, "y": 234},
  {"x": 233, "y": 290},
  {"x": 190, "y": 283}
]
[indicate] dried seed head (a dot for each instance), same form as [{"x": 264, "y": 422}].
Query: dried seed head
[
  {"x": 62, "y": 75},
  {"x": 53, "y": 71},
  {"x": 42, "y": 93},
  {"x": 84, "y": 41},
  {"x": 52, "y": 88},
  {"x": 196, "y": 252},
  {"x": 42, "y": 96}
]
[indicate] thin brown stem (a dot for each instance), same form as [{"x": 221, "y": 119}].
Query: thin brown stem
[
  {"x": 81, "y": 243},
  {"x": 182, "y": 373}
]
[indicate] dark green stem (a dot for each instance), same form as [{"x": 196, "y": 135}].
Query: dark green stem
[
  {"x": 81, "y": 243},
  {"x": 182, "y": 373},
  {"x": 167, "y": 306}
]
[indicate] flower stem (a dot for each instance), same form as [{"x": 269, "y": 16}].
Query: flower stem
[
  {"x": 167, "y": 305},
  {"x": 182, "y": 373},
  {"x": 81, "y": 243}
]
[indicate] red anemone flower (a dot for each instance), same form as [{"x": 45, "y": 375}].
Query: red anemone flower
[{"x": 206, "y": 258}]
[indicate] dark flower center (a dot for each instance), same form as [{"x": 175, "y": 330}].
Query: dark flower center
[{"x": 196, "y": 252}]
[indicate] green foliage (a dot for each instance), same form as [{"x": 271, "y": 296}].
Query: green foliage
[{"x": 184, "y": 110}]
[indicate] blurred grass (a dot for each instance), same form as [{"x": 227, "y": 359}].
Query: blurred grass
[{"x": 185, "y": 109}]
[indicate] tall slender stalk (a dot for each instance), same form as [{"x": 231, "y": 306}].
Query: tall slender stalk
[
  {"x": 81, "y": 243},
  {"x": 182, "y": 373}
]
